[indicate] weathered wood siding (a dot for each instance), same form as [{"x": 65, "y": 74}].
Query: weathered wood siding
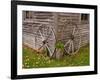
[
  {"x": 57, "y": 21},
  {"x": 30, "y": 27},
  {"x": 64, "y": 29},
  {"x": 84, "y": 32}
]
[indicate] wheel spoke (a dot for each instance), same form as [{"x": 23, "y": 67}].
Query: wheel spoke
[
  {"x": 67, "y": 43},
  {"x": 50, "y": 35},
  {"x": 72, "y": 47},
  {"x": 77, "y": 33},
  {"x": 41, "y": 47},
  {"x": 69, "y": 47},
  {"x": 47, "y": 37},
  {"x": 53, "y": 33},
  {"x": 73, "y": 31},
  {"x": 41, "y": 35},
  {"x": 49, "y": 49}
]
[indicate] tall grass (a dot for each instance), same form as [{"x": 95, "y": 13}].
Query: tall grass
[{"x": 32, "y": 59}]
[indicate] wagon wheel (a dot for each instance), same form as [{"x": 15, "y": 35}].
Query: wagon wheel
[
  {"x": 45, "y": 39},
  {"x": 72, "y": 45}
]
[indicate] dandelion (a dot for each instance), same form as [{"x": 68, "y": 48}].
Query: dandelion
[
  {"x": 49, "y": 61},
  {"x": 27, "y": 66},
  {"x": 37, "y": 62},
  {"x": 27, "y": 59},
  {"x": 26, "y": 56},
  {"x": 38, "y": 58},
  {"x": 26, "y": 63}
]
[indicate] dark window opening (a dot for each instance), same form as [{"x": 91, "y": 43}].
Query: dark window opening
[
  {"x": 28, "y": 15},
  {"x": 84, "y": 16}
]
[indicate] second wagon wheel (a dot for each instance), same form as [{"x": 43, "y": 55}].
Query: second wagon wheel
[
  {"x": 73, "y": 40},
  {"x": 45, "y": 38}
]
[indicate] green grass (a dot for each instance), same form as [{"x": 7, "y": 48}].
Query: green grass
[{"x": 32, "y": 59}]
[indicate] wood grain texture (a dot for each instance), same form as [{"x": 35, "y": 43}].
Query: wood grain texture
[{"x": 60, "y": 24}]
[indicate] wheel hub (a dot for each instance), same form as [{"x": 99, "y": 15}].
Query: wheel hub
[
  {"x": 44, "y": 41},
  {"x": 72, "y": 37}
]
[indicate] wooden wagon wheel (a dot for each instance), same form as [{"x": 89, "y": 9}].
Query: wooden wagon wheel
[
  {"x": 45, "y": 38},
  {"x": 73, "y": 42}
]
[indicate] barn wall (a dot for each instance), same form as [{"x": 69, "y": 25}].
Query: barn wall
[
  {"x": 58, "y": 21},
  {"x": 64, "y": 28},
  {"x": 84, "y": 32},
  {"x": 31, "y": 26}
]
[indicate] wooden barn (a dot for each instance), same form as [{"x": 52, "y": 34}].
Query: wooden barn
[{"x": 46, "y": 28}]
